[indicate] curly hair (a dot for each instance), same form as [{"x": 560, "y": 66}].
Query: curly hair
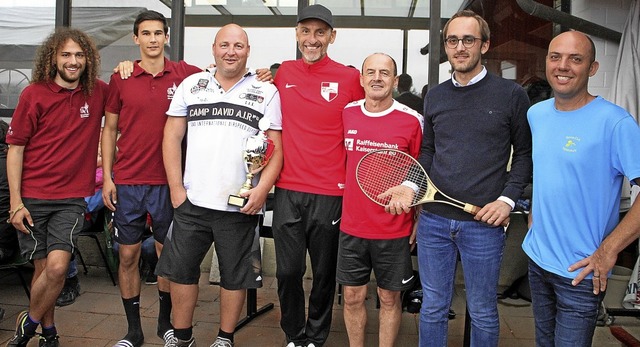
[{"x": 45, "y": 60}]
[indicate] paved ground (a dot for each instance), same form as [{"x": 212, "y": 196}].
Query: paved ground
[{"x": 97, "y": 317}]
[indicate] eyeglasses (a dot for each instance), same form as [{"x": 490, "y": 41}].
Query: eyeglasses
[{"x": 467, "y": 41}]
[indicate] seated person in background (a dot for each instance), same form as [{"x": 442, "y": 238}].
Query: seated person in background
[
  {"x": 147, "y": 254},
  {"x": 8, "y": 236}
]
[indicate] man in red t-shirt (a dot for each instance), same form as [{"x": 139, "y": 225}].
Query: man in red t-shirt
[
  {"x": 370, "y": 238},
  {"x": 135, "y": 182},
  {"x": 54, "y": 131},
  {"x": 308, "y": 197}
]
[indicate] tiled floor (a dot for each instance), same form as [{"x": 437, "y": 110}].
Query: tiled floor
[{"x": 97, "y": 318}]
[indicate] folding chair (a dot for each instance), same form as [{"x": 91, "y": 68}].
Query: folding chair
[
  {"x": 94, "y": 227},
  {"x": 17, "y": 265}
]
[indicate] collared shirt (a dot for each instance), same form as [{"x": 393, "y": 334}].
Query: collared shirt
[
  {"x": 475, "y": 79},
  {"x": 60, "y": 129},
  {"x": 313, "y": 97},
  {"x": 141, "y": 103},
  {"x": 219, "y": 122}
]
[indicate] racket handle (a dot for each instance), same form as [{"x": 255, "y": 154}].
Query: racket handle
[{"x": 473, "y": 209}]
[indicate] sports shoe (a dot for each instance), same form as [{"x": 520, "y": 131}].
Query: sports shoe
[
  {"x": 169, "y": 339},
  {"x": 20, "y": 338},
  {"x": 49, "y": 341},
  {"x": 151, "y": 279},
  {"x": 181, "y": 343},
  {"x": 129, "y": 343},
  {"x": 311, "y": 344},
  {"x": 222, "y": 342},
  {"x": 291, "y": 344},
  {"x": 185, "y": 343},
  {"x": 69, "y": 293}
]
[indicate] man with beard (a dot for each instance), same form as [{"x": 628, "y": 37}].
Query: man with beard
[
  {"x": 472, "y": 122},
  {"x": 55, "y": 128},
  {"x": 308, "y": 196}
]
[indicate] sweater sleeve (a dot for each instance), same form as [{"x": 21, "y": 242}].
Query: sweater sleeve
[
  {"x": 427, "y": 149},
  {"x": 521, "y": 164}
]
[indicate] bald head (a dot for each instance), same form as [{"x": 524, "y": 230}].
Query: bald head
[
  {"x": 569, "y": 64},
  {"x": 230, "y": 51},
  {"x": 581, "y": 40},
  {"x": 232, "y": 29}
]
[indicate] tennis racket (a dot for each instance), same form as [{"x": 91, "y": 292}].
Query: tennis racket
[{"x": 387, "y": 173}]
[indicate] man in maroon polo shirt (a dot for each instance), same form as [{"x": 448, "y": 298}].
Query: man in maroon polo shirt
[
  {"x": 54, "y": 130},
  {"x": 135, "y": 182}
]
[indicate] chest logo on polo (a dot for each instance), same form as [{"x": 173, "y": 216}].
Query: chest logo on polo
[
  {"x": 329, "y": 90},
  {"x": 171, "y": 91},
  {"x": 572, "y": 144},
  {"x": 201, "y": 85},
  {"x": 84, "y": 111}
]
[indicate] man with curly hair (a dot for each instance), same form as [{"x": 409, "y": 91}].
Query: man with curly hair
[{"x": 55, "y": 128}]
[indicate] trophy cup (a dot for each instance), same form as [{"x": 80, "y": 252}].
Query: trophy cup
[{"x": 256, "y": 154}]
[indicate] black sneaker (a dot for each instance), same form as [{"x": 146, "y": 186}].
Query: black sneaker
[
  {"x": 49, "y": 341},
  {"x": 69, "y": 293},
  {"x": 151, "y": 279},
  {"x": 20, "y": 339}
]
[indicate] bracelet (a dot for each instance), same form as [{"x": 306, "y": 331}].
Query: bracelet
[{"x": 20, "y": 207}]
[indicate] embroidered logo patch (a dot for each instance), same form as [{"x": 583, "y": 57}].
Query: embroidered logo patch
[
  {"x": 329, "y": 90},
  {"x": 171, "y": 91},
  {"x": 84, "y": 111}
]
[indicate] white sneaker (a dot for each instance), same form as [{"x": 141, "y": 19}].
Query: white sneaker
[
  {"x": 311, "y": 344},
  {"x": 222, "y": 342},
  {"x": 169, "y": 339}
]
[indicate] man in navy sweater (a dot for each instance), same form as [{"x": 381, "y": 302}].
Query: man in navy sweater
[{"x": 472, "y": 122}]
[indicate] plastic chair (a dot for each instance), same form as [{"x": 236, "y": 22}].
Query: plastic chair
[{"x": 17, "y": 265}]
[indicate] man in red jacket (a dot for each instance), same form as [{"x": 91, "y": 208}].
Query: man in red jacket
[{"x": 308, "y": 197}]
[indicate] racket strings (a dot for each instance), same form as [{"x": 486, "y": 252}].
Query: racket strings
[{"x": 379, "y": 171}]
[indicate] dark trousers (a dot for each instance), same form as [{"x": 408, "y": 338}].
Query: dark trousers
[{"x": 301, "y": 222}]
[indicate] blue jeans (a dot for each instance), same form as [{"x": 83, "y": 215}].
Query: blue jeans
[
  {"x": 73, "y": 267},
  {"x": 565, "y": 315},
  {"x": 481, "y": 247}
]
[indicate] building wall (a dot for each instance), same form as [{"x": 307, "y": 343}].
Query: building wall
[{"x": 611, "y": 14}]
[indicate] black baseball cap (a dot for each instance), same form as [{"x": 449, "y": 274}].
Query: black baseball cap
[{"x": 316, "y": 12}]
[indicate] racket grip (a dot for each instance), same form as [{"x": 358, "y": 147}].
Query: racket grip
[{"x": 473, "y": 209}]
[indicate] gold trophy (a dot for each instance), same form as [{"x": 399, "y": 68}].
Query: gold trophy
[{"x": 256, "y": 154}]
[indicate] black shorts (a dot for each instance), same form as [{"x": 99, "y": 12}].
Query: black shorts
[
  {"x": 389, "y": 259},
  {"x": 194, "y": 229},
  {"x": 56, "y": 225}
]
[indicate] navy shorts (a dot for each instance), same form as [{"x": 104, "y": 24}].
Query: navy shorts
[
  {"x": 130, "y": 217},
  {"x": 389, "y": 259},
  {"x": 194, "y": 229},
  {"x": 56, "y": 226}
]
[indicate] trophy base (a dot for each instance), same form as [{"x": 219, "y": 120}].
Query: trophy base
[{"x": 237, "y": 200}]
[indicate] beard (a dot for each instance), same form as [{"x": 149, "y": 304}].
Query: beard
[
  {"x": 467, "y": 66},
  {"x": 311, "y": 57},
  {"x": 70, "y": 78}
]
